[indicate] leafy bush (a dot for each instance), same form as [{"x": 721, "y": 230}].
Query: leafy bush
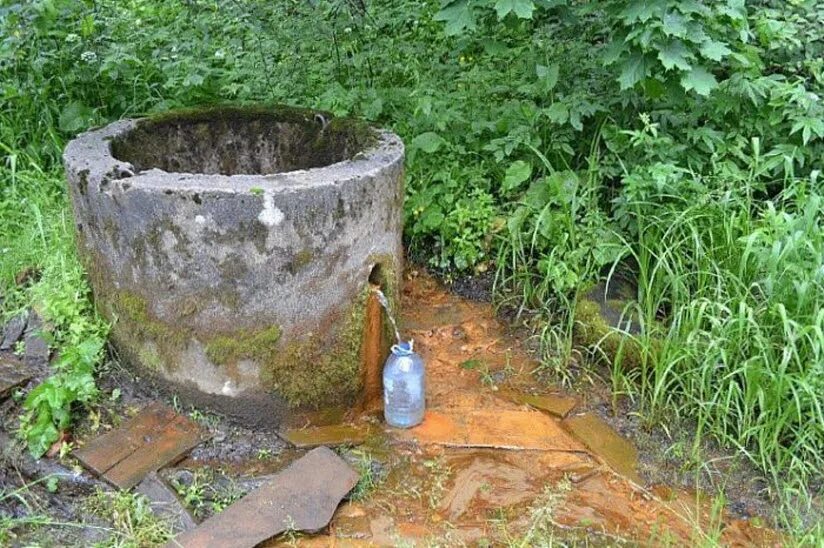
[{"x": 550, "y": 140}]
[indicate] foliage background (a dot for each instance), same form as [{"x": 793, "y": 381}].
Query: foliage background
[{"x": 550, "y": 142}]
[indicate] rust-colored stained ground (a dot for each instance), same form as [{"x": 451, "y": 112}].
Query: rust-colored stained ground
[{"x": 486, "y": 465}]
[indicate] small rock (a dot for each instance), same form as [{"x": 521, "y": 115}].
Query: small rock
[
  {"x": 183, "y": 477},
  {"x": 13, "y": 331},
  {"x": 37, "y": 349},
  {"x": 165, "y": 503},
  {"x": 12, "y": 374}
]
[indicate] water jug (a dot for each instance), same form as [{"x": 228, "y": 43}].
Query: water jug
[{"x": 404, "y": 387}]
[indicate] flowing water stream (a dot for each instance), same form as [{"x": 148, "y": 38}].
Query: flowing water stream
[{"x": 385, "y": 304}]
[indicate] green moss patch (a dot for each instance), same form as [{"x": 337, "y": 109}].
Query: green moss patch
[
  {"x": 592, "y": 331},
  {"x": 321, "y": 371},
  {"x": 256, "y": 345}
]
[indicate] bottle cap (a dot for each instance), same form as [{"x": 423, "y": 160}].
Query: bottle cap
[{"x": 403, "y": 348}]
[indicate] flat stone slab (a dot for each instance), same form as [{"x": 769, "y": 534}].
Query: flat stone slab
[
  {"x": 165, "y": 503},
  {"x": 605, "y": 443},
  {"x": 494, "y": 428},
  {"x": 330, "y": 436},
  {"x": 303, "y": 497},
  {"x": 554, "y": 404},
  {"x": 155, "y": 437},
  {"x": 12, "y": 374}
]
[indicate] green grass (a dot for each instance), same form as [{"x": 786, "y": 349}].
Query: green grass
[
  {"x": 133, "y": 523},
  {"x": 741, "y": 285},
  {"x": 524, "y": 158}
]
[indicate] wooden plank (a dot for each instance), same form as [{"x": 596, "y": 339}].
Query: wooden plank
[
  {"x": 152, "y": 439},
  {"x": 103, "y": 452},
  {"x": 330, "y": 436},
  {"x": 164, "y": 447},
  {"x": 554, "y": 404},
  {"x": 497, "y": 429},
  {"x": 605, "y": 443},
  {"x": 302, "y": 497}
]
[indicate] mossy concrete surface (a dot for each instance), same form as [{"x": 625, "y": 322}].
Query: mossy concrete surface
[
  {"x": 232, "y": 248},
  {"x": 605, "y": 321}
]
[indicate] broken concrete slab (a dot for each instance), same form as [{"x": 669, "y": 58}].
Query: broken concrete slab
[
  {"x": 605, "y": 443},
  {"x": 494, "y": 428},
  {"x": 330, "y": 436},
  {"x": 165, "y": 503},
  {"x": 157, "y": 436},
  {"x": 303, "y": 497},
  {"x": 12, "y": 331},
  {"x": 13, "y": 373},
  {"x": 554, "y": 404}
]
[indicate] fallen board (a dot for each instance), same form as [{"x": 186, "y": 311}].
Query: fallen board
[
  {"x": 497, "y": 429},
  {"x": 330, "y": 436},
  {"x": 12, "y": 374},
  {"x": 302, "y": 497},
  {"x": 152, "y": 439},
  {"x": 605, "y": 442},
  {"x": 556, "y": 405}
]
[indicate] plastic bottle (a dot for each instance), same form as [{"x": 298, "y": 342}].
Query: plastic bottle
[{"x": 404, "y": 387}]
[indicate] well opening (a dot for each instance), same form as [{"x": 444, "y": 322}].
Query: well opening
[{"x": 234, "y": 141}]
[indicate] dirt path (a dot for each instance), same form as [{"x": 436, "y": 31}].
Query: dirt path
[{"x": 486, "y": 469}]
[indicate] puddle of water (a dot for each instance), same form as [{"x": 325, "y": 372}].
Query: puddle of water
[
  {"x": 486, "y": 483},
  {"x": 445, "y": 489},
  {"x": 316, "y": 417}
]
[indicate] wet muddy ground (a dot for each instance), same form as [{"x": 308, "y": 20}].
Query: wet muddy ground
[{"x": 502, "y": 458}]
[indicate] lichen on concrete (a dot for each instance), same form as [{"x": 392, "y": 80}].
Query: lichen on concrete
[{"x": 320, "y": 369}]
